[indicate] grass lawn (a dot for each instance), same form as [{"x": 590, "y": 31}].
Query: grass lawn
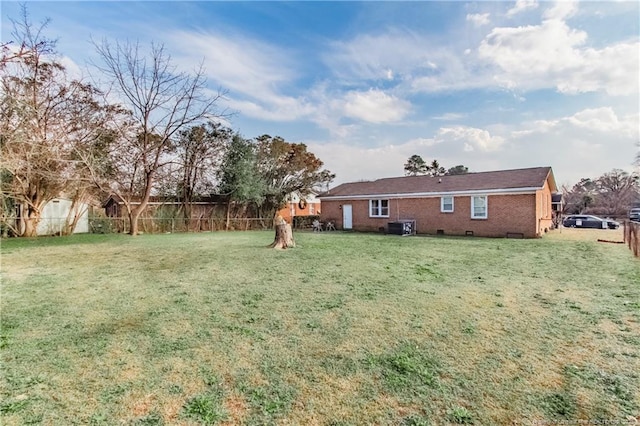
[{"x": 345, "y": 329}]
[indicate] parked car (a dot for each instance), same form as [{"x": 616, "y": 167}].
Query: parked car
[
  {"x": 588, "y": 221},
  {"x": 634, "y": 215}
]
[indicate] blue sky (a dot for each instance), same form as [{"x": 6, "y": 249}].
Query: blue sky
[{"x": 491, "y": 85}]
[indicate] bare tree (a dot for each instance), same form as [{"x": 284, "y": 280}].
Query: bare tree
[
  {"x": 45, "y": 117},
  {"x": 617, "y": 190},
  {"x": 162, "y": 102},
  {"x": 9, "y": 55},
  {"x": 579, "y": 197},
  {"x": 611, "y": 194}
]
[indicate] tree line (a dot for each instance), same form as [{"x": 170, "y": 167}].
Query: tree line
[
  {"x": 416, "y": 166},
  {"x": 611, "y": 194},
  {"x": 155, "y": 131}
]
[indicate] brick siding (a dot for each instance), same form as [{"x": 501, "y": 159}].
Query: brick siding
[
  {"x": 310, "y": 209},
  {"x": 525, "y": 214}
]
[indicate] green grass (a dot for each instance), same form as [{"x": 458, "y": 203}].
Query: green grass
[{"x": 345, "y": 329}]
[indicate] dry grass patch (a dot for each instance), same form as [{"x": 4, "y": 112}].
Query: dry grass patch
[{"x": 343, "y": 329}]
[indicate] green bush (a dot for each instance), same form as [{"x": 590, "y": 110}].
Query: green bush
[{"x": 102, "y": 225}]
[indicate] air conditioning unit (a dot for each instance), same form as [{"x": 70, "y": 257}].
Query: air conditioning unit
[{"x": 402, "y": 227}]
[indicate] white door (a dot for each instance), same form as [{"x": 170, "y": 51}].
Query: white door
[{"x": 347, "y": 216}]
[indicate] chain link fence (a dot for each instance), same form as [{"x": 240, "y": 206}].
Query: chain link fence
[
  {"x": 160, "y": 225},
  {"x": 150, "y": 225}
]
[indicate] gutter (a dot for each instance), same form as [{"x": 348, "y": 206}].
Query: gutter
[{"x": 502, "y": 191}]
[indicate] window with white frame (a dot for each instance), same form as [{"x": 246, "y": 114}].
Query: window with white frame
[
  {"x": 379, "y": 208},
  {"x": 311, "y": 209},
  {"x": 479, "y": 208},
  {"x": 446, "y": 204}
]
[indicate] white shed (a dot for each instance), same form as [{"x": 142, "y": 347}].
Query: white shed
[{"x": 57, "y": 212}]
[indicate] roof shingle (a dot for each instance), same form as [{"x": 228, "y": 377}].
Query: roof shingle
[{"x": 481, "y": 181}]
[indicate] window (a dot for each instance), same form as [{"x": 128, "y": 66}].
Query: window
[
  {"x": 379, "y": 208},
  {"x": 446, "y": 204},
  {"x": 311, "y": 209},
  {"x": 479, "y": 207}
]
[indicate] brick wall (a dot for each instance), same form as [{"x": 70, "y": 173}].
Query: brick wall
[
  {"x": 293, "y": 207},
  {"x": 544, "y": 209},
  {"x": 513, "y": 214}
]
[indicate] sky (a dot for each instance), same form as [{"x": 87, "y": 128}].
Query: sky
[{"x": 365, "y": 85}]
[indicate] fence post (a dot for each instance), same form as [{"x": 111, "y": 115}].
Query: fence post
[
  {"x": 636, "y": 246},
  {"x": 631, "y": 237}
]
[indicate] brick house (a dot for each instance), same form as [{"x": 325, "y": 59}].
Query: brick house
[
  {"x": 489, "y": 204},
  {"x": 296, "y": 206}
]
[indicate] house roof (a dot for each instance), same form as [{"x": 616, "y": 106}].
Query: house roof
[{"x": 501, "y": 181}]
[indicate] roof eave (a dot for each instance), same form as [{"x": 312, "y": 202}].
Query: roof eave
[
  {"x": 498, "y": 191},
  {"x": 553, "y": 186}
]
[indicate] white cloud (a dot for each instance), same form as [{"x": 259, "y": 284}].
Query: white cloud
[
  {"x": 533, "y": 49},
  {"x": 353, "y": 163},
  {"x": 600, "y": 123},
  {"x": 243, "y": 65},
  {"x": 420, "y": 143},
  {"x": 449, "y": 145},
  {"x": 255, "y": 73},
  {"x": 613, "y": 69},
  {"x": 561, "y": 10},
  {"x": 276, "y": 108},
  {"x": 522, "y": 6},
  {"x": 478, "y": 19},
  {"x": 473, "y": 138},
  {"x": 457, "y": 72},
  {"x": 74, "y": 72},
  {"x": 449, "y": 116},
  {"x": 552, "y": 55},
  {"x": 369, "y": 57},
  {"x": 599, "y": 119},
  {"x": 587, "y": 143},
  {"x": 375, "y": 106}
]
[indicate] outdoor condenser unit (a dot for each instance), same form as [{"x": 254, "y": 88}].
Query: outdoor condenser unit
[{"x": 402, "y": 227}]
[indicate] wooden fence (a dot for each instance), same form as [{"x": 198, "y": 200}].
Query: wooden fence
[
  {"x": 108, "y": 225},
  {"x": 632, "y": 236},
  {"x": 154, "y": 225}
]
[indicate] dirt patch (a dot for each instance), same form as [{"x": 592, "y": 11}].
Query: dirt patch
[
  {"x": 578, "y": 234},
  {"x": 143, "y": 406},
  {"x": 236, "y": 407},
  {"x": 171, "y": 410}
]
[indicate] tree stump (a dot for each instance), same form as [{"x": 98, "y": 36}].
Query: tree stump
[{"x": 284, "y": 235}]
